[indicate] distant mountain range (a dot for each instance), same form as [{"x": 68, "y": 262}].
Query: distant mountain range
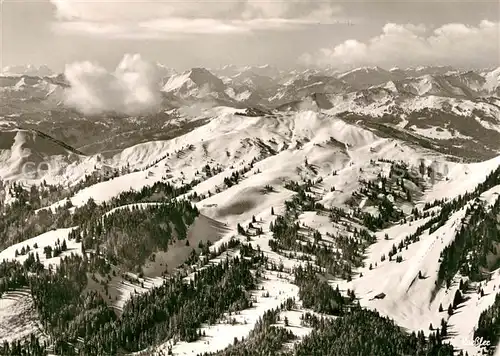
[
  {"x": 457, "y": 109},
  {"x": 255, "y": 206},
  {"x": 29, "y": 69}
]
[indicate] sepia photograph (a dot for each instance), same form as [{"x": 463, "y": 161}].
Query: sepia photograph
[{"x": 249, "y": 178}]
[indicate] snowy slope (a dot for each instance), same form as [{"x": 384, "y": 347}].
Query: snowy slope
[
  {"x": 32, "y": 156},
  {"x": 196, "y": 82},
  {"x": 47, "y": 239},
  {"x": 409, "y": 300},
  {"x": 281, "y": 144},
  {"x": 282, "y": 147}
]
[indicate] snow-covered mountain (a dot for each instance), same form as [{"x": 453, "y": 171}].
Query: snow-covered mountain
[
  {"x": 26, "y": 153},
  {"x": 458, "y": 109},
  {"x": 492, "y": 80},
  {"x": 301, "y": 147},
  {"x": 164, "y": 71},
  {"x": 29, "y": 69},
  {"x": 368, "y": 76},
  {"x": 265, "y": 70},
  {"x": 25, "y": 94},
  {"x": 269, "y": 87},
  {"x": 422, "y": 70},
  {"x": 383, "y": 184},
  {"x": 195, "y": 83}
]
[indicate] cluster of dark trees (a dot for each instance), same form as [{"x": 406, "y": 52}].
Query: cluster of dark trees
[
  {"x": 21, "y": 220},
  {"x": 303, "y": 200},
  {"x": 365, "y": 333},
  {"x": 488, "y": 326},
  {"x": 81, "y": 323},
  {"x": 387, "y": 213},
  {"x": 128, "y": 236},
  {"x": 265, "y": 338},
  {"x": 338, "y": 258},
  {"x": 212, "y": 171},
  {"x": 355, "y": 332},
  {"x": 237, "y": 175},
  {"x": 14, "y": 275},
  {"x": 378, "y": 190},
  {"x": 478, "y": 238},
  {"x": 394, "y": 184},
  {"x": 288, "y": 236},
  {"x": 29, "y": 347},
  {"x": 317, "y": 294},
  {"x": 476, "y": 248}
]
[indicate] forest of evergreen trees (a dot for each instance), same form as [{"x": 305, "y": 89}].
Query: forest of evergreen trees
[
  {"x": 475, "y": 249},
  {"x": 265, "y": 338},
  {"x": 83, "y": 324},
  {"x": 130, "y": 235},
  {"x": 337, "y": 259},
  {"x": 317, "y": 294},
  {"x": 488, "y": 327},
  {"x": 80, "y": 321},
  {"x": 22, "y": 220},
  {"x": 365, "y": 333}
]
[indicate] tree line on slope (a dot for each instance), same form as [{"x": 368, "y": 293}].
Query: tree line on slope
[
  {"x": 21, "y": 218},
  {"x": 265, "y": 338},
  {"x": 338, "y": 258},
  {"x": 80, "y": 323},
  {"x": 355, "y": 332},
  {"x": 363, "y": 332},
  {"x": 488, "y": 326},
  {"x": 476, "y": 247},
  {"x": 128, "y": 236}
]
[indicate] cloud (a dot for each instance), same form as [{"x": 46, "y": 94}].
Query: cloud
[
  {"x": 412, "y": 45},
  {"x": 131, "y": 89},
  {"x": 143, "y": 19}
]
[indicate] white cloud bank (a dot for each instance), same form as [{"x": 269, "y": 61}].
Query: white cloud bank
[
  {"x": 131, "y": 89},
  {"x": 414, "y": 45},
  {"x": 145, "y": 19}
]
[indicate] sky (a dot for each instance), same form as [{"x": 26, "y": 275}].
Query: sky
[{"x": 183, "y": 34}]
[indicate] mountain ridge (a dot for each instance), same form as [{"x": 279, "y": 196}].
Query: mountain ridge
[{"x": 376, "y": 207}]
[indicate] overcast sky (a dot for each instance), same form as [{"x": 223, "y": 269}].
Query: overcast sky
[{"x": 182, "y": 34}]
